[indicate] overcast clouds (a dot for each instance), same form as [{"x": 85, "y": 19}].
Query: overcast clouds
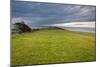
[{"x": 35, "y": 13}]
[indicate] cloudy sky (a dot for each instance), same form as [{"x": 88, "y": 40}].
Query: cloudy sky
[{"x": 37, "y": 13}]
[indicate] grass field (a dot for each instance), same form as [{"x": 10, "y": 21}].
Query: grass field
[{"x": 52, "y": 46}]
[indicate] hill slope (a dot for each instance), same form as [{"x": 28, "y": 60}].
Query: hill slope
[{"x": 52, "y": 46}]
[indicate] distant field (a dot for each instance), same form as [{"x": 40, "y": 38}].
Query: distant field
[{"x": 52, "y": 46}]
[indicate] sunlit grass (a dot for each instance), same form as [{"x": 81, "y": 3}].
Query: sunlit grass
[{"x": 52, "y": 46}]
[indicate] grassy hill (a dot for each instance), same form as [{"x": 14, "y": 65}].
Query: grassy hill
[{"x": 52, "y": 46}]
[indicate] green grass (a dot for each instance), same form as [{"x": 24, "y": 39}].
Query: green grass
[{"x": 52, "y": 46}]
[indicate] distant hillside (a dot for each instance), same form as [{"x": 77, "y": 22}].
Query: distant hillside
[{"x": 48, "y": 28}]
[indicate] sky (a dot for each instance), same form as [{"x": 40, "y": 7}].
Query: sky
[{"x": 39, "y": 13}]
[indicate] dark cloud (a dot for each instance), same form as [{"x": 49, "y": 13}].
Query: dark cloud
[{"x": 36, "y": 13}]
